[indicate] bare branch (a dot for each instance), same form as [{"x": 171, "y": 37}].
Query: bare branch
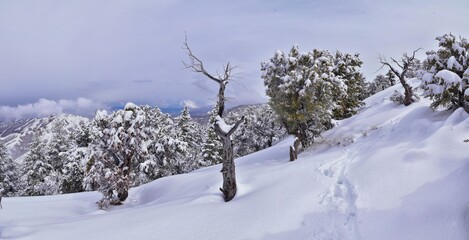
[
  {"x": 415, "y": 51},
  {"x": 384, "y": 62},
  {"x": 233, "y": 129},
  {"x": 397, "y": 63},
  {"x": 196, "y": 64}
]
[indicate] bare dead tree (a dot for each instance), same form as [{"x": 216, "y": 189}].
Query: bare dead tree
[
  {"x": 229, "y": 188},
  {"x": 403, "y": 64}
]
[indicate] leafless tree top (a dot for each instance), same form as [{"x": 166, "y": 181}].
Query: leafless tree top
[
  {"x": 196, "y": 65},
  {"x": 403, "y": 63}
]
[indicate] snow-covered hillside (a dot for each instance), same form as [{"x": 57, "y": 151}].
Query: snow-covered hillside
[
  {"x": 17, "y": 134},
  {"x": 390, "y": 172}
]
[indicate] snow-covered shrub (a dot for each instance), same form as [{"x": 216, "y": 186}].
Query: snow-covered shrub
[
  {"x": 381, "y": 82},
  {"x": 136, "y": 145},
  {"x": 71, "y": 180},
  {"x": 118, "y": 144},
  {"x": 397, "y": 97},
  {"x": 346, "y": 75},
  {"x": 308, "y": 90},
  {"x": 446, "y": 80},
  {"x": 261, "y": 129}
]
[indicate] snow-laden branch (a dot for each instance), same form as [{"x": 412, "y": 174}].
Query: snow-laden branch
[{"x": 222, "y": 127}]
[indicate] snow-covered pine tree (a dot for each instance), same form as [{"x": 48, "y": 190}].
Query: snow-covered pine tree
[
  {"x": 446, "y": 80},
  {"x": 212, "y": 146},
  {"x": 71, "y": 180},
  {"x": 38, "y": 176},
  {"x": 170, "y": 152},
  {"x": 303, "y": 88},
  {"x": 102, "y": 170},
  {"x": 82, "y": 136},
  {"x": 186, "y": 131},
  {"x": 118, "y": 146},
  {"x": 58, "y": 145},
  {"x": 8, "y": 173},
  {"x": 166, "y": 152},
  {"x": 189, "y": 132},
  {"x": 94, "y": 169},
  {"x": 73, "y": 171},
  {"x": 346, "y": 71},
  {"x": 148, "y": 168}
]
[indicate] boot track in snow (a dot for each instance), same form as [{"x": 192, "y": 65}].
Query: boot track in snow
[{"x": 339, "y": 200}]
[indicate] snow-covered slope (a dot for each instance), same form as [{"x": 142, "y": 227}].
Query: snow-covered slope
[
  {"x": 390, "y": 172},
  {"x": 17, "y": 134}
]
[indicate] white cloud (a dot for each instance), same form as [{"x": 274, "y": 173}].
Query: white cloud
[
  {"x": 189, "y": 103},
  {"x": 45, "y": 107}
]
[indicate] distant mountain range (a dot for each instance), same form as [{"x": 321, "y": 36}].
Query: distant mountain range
[
  {"x": 197, "y": 112},
  {"x": 17, "y": 134}
]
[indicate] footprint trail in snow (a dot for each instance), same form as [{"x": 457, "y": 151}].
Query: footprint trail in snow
[{"x": 340, "y": 220}]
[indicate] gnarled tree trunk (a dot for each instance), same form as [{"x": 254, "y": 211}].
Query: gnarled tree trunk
[
  {"x": 294, "y": 150},
  {"x": 229, "y": 188},
  {"x": 408, "y": 92}
]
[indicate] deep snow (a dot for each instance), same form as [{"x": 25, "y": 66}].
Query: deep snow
[{"x": 390, "y": 172}]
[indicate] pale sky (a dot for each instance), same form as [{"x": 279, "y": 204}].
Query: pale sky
[{"x": 77, "y": 56}]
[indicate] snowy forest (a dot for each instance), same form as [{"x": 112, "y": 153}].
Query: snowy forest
[
  {"x": 70, "y": 158},
  {"x": 308, "y": 92}
]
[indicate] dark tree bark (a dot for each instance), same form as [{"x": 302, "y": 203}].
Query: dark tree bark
[
  {"x": 229, "y": 188},
  {"x": 404, "y": 64},
  {"x": 124, "y": 167},
  {"x": 300, "y": 139},
  {"x": 294, "y": 150}
]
